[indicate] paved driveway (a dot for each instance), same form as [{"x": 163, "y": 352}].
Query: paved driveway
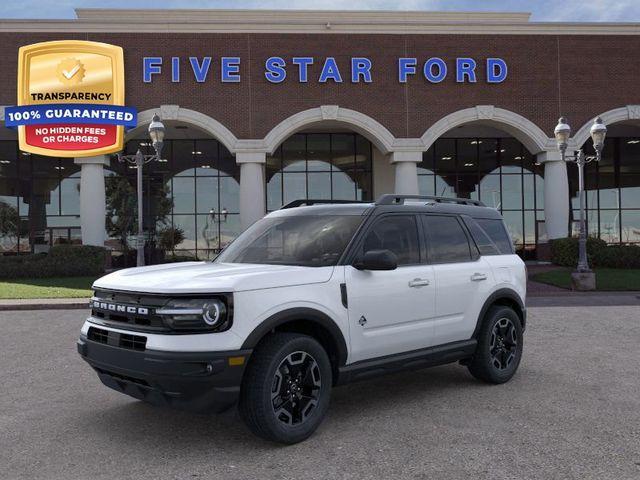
[{"x": 572, "y": 411}]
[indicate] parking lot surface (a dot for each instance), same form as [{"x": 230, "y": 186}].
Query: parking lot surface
[{"x": 572, "y": 411}]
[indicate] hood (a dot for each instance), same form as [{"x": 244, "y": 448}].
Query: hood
[{"x": 206, "y": 277}]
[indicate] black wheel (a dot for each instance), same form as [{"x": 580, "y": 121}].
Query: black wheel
[
  {"x": 286, "y": 388},
  {"x": 499, "y": 348}
]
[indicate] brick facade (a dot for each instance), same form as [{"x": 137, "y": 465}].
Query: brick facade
[{"x": 575, "y": 75}]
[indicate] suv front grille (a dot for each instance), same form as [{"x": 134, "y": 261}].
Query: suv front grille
[
  {"x": 129, "y": 310},
  {"x": 116, "y": 339}
]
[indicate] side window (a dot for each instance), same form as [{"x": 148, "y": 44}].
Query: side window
[
  {"x": 446, "y": 239},
  {"x": 398, "y": 233},
  {"x": 498, "y": 233},
  {"x": 484, "y": 243}
]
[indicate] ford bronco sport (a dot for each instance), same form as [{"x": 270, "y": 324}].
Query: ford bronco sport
[{"x": 314, "y": 295}]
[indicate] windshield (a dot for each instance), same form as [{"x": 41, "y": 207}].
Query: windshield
[{"x": 305, "y": 240}]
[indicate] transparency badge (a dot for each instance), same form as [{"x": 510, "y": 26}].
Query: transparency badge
[{"x": 70, "y": 99}]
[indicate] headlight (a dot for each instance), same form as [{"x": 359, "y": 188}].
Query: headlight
[{"x": 196, "y": 314}]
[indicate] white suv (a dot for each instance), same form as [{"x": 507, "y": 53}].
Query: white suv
[{"x": 310, "y": 297}]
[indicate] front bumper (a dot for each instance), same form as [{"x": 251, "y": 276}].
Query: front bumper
[{"x": 195, "y": 381}]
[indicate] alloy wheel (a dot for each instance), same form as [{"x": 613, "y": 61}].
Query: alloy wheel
[
  {"x": 504, "y": 343},
  {"x": 296, "y": 386}
]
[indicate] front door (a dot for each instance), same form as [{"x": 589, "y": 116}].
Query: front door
[{"x": 391, "y": 311}]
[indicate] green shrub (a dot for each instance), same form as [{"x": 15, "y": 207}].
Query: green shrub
[
  {"x": 564, "y": 252},
  {"x": 61, "y": 261}
]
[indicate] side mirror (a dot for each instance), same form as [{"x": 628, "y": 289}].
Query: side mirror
[{"x": 377, "y": 260}]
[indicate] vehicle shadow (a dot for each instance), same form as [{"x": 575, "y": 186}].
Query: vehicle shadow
[{"x": 136, "y": 425}]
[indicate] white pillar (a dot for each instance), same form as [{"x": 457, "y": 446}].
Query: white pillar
[
  {"x": 252, "y": 187},
  {"x": 556, "y": 194},
  {"x": 406, "y": 167},
  {"x": 93, "y": 208}
]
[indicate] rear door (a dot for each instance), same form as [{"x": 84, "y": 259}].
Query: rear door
[
  {"x": 463, "y": 277},
  {"x": 391, "y": 311}
]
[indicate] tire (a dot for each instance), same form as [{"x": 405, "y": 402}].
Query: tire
[
  {"x": 297, "y": 369},
  {"x": 500, "y": 344}
]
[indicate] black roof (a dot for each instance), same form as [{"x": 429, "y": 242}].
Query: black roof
[{"x": 392, "y": 203}]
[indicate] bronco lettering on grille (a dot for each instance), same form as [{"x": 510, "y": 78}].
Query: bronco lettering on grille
[{"x": 114, "y": 307}]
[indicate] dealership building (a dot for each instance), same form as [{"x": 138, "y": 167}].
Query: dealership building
[{"x": 265, "y": 107}]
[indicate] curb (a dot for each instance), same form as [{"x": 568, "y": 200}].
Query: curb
[{"x": 44, "y": 306}]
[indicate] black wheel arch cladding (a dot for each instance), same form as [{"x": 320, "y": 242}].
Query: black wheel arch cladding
[{"x": 295, "y": 318}]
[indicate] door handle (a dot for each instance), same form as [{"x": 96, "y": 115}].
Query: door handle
[
  {"x": 477, "y": 277},
  {"x": 418, "y": 282}
]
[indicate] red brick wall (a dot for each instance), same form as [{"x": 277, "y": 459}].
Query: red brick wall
[{"x": 578, "y": 76}]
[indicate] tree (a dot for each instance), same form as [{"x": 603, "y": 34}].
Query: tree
[
  {"x": 122, "y": 208},
  {"x": 9, "y": 222}
]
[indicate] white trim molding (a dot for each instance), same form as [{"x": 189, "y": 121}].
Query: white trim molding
[
  {"x": 531, "y": 136},
  {"x": 622, "y": 114},
  {"x": 374, "y": 131},
  {"x": 200, "y": 120}
]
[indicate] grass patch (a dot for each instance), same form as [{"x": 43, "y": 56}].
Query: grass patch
[
  {"x": 607, "y": 279},
  {"x": 63, "y": 287}
]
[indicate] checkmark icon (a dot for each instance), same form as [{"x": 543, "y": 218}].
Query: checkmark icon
[{"x": 71, "y": 73}]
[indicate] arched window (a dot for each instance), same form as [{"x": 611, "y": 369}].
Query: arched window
[{"x": 334, "y": 166}]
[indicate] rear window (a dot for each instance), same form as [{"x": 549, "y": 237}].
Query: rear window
[
  {"x": 485, "y": 245},
  {"x": 494, "y": 228}
]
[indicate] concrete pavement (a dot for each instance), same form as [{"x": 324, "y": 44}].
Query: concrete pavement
[{"x": 571, "y": 412}]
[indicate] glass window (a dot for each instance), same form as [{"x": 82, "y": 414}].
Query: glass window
[
  {"x": 445, "y": 156},
  {"x": 183, "y": 195},
  {"x": 511, "y": 155},
  {"x": 487, "y": 155},
  {"x": 207, "y": 194},
  {"x": 426, "y": 184},
  {"x": 631, "y": 226},
  {"x": 319, "y": 166},
  {"x": 446, "y": 239},
  {"x": 485, "y": 245},
  {"x": 306, "y": 240},
  {"x": 8, "y": 159},
  {"x": 467, "y": 154},
  {"x": 182, "y": 160},
  {"x": 511, "y": 192},
  {"x": 342, "y": 151},
  {"x": 609, "y": 226},
  {"x": 397, "y": 233},
  {"x": 342, "y": 186},
  {"x": 630, "y": 190},
  {"x": 629, "y": 155},
  {"x": 319, "y": 185},
  {"x": 496, "y": 231},
  {"x": 319, "y": 152},
  {"x": 490, "y": 192},
  {"x": 294, "y": 153},
  {"x": 514, "y": 222}
]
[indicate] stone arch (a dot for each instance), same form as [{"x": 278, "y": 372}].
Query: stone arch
[
  {"x": 374, "y": 131},
  {"x": 527, "y": 132},
  {"x": 622, "y": 114},
  {"x": 197, "y": 119}
]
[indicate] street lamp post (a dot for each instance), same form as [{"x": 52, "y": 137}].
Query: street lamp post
[
  {"x": 562, "y": 133},
  {"x": 156, "y": 133}
]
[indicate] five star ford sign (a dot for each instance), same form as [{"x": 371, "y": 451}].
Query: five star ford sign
[{"x": 70, "y": 99}]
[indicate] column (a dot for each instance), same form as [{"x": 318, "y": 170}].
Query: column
[
  {"x": 92, "y": 199},
  {"x": 252, "y": 187},
  {"x": 556, "y": 194},
  {"x": 406, "y": 167}
]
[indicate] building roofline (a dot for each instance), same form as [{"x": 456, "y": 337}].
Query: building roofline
[
  {"x": 310, "y": 21},
  {"x": 262, "y": 16}
]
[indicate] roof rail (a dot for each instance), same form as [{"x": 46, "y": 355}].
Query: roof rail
[
  {"x": 392, "y": 199},
  {"x": 308, "y": 201}
]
